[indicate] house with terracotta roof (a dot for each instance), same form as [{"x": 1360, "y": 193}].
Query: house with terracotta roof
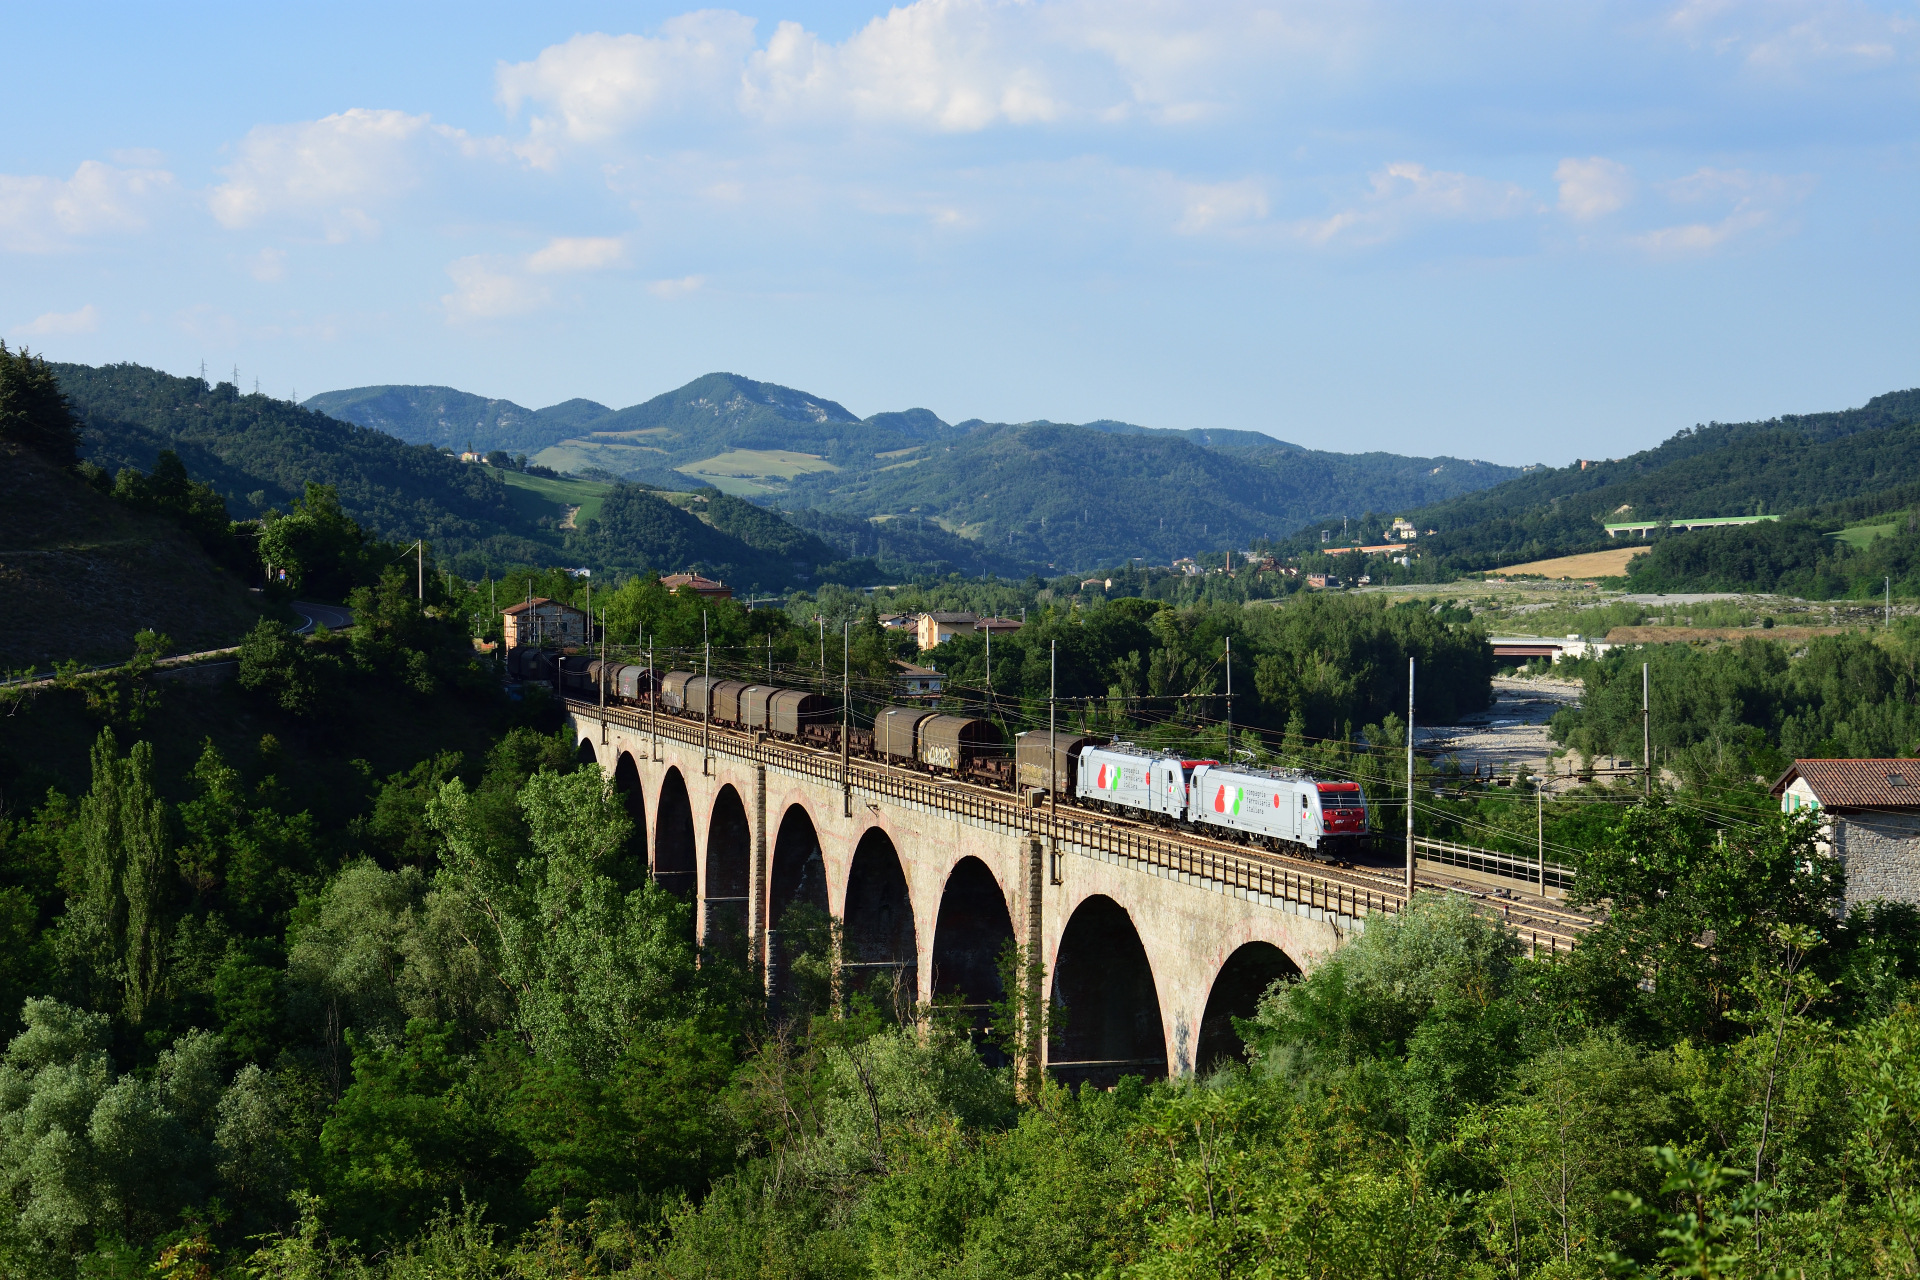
[
  {"x": 698, "y": 585},
  {"x": 1871, "y": 811}
]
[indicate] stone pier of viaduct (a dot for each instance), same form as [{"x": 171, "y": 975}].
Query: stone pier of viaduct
[{"x": 1151, "y": 942}]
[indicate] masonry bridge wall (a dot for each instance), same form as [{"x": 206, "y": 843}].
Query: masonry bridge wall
[{"x": 1150, "y": 947}]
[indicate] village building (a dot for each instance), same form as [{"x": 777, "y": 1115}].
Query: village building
[
  {"x": 1324, "y": 581},
  {"x": 1402, "y": 528},
  {"x": 1871, "y": 821},
  {"x": 936, "y": 628},
  {"x": 698, "y": 585},
  {"x": 542, "y": 622},
  {"x": 913, "y": 681}
]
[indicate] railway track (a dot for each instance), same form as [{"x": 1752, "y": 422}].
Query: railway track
[{"x": 1341, "y": 890}]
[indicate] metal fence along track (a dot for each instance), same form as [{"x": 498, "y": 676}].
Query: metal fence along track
[{"x": 1349, "y": 895}]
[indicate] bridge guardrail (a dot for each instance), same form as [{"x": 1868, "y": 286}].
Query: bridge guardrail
[
  {"x": 1352, "y": 897},
  {"x": 1487, "y": 862}
]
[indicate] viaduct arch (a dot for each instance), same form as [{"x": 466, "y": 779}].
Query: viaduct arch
[{"x": 1148, "y": 966}]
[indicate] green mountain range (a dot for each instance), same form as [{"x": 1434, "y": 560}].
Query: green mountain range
[
  {"x": 1837, "y": 467},
  {"x": 1028, "y": 493},
  {"x": 259, "y": 454}
]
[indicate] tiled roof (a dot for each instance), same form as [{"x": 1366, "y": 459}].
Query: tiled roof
[
  {"x": 937, "y": 616},
  {"x": 1858, "y": 784},
  {"x": 537, "y": 601}
]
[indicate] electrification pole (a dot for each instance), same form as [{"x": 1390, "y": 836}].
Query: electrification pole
[
  {"x": 1540, "y": 816},
  {"x": 1229, "y": 699},
  {"x": 1646, "y": 730},
  {"x": 706, "y": 699},
  {"x": 846, "y": 718},
  {"x": 1410, "y": 673}
]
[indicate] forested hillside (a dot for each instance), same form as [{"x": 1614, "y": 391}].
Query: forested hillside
[
  {"x": 260, "y": 454},
  {"x": 1016, "y": 490},
  {"x": 444, "y": 416},
  {"x": 1865, "y": 460},
  {"x": 353, "y": 968},
  {"x": 1078, "y": 496}
]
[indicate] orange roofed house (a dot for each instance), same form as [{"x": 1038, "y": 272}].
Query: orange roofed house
[
  {"x": 1872, "y": 821},
  {"x": 698, "y": 585},
  {"x": 543, "y": 621}
]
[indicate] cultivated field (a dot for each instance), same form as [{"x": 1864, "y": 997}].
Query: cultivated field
[
  {"x": 1594, "y": 564},
  {"x": 746, "y": 471}
]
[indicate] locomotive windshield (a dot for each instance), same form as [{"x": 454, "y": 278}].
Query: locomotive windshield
[{"x": 1347, "y": 797}]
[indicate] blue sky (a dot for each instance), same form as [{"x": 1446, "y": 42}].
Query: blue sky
[{"x": 1523, "y": 232}]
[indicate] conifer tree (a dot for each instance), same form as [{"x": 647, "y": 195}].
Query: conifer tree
[{"x": 33, "y": 412}]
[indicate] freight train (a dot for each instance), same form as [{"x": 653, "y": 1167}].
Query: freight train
[{"x": 1278, "y": 809}]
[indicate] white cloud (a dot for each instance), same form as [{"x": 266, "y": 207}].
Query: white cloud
[
  {"x": 269, "y": 266},
  {"x": 1593, "y": 188},
  {"x": 1787, "y": 38},
  {"x": 333, "y": 169},
  {"x": 676, "y": 288},
  {"x": 579, "y": 253},
  {"x": 1437, "y": 193},
  {"x": 595, "y": 86},
  {"x": 1698, "y": 237},
  {"x": 947, "y": 66},
  {"x": 1406, "y": 194},
  {"x": 952, "y": 65},
  {"x": 1753, "y": 203},
  {"x": 1221, "y": 206},
  {"x": 484, "y": 291},
  {"x": 40, "y": 214},
  {"x": 85, "y": 320}
]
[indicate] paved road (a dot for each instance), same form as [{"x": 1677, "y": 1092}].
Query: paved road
[{"x": 330, "y": 616}]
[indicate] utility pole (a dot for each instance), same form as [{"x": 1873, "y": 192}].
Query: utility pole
[
  {"x": 1540, "y": 816},
  {"x": 420, "y": 569},
  {"x": 1053, "y": 733},
  {"x": 706, "y": 699},
  {"x": 846, "y": 718},
  {"x": 989, "y": 669},
  {"x": 603, "y": 684},
  {"x": 1229, "y": 699},
  {"x": 1410, "y": 674},
  {"x": 1646, "y": 729},
  {"x": 1889, "y": 601},
  {"x": 822, "y": 620},
  {"x": 653, "y": 707}
]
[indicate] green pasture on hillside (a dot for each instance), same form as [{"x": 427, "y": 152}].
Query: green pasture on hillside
[
  {"x": 544, "y": 495},
  {"x": 1859, "y": 535}
]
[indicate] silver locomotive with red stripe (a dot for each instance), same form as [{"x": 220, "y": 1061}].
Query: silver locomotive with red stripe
[{"x": 1276, "y": 808}]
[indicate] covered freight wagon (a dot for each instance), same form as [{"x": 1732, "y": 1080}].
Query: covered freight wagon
[
  {"x": 952, "y": 742},
  {"x": 790, "y": 711},
  {"x": 894, "y": 731},
  {"x": 1031, "y": 767}
]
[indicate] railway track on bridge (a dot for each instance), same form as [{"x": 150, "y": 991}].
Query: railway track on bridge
[{"x": 1336, "y": 891}]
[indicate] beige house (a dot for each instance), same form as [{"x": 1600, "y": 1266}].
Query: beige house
[
  {"x": 935, "y": 629},
  {"x": 1872, "y": 821},
  {"x": 543, "y": 622}
]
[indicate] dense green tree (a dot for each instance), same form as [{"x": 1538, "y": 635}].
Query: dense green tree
[
  {"x": 319, "y": 547},
  {"x": 33, "y": 411},
  {"x": 276, "y": 663}
]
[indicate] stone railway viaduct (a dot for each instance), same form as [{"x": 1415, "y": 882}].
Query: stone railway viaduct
[{"x": 1152, "y": 941}]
